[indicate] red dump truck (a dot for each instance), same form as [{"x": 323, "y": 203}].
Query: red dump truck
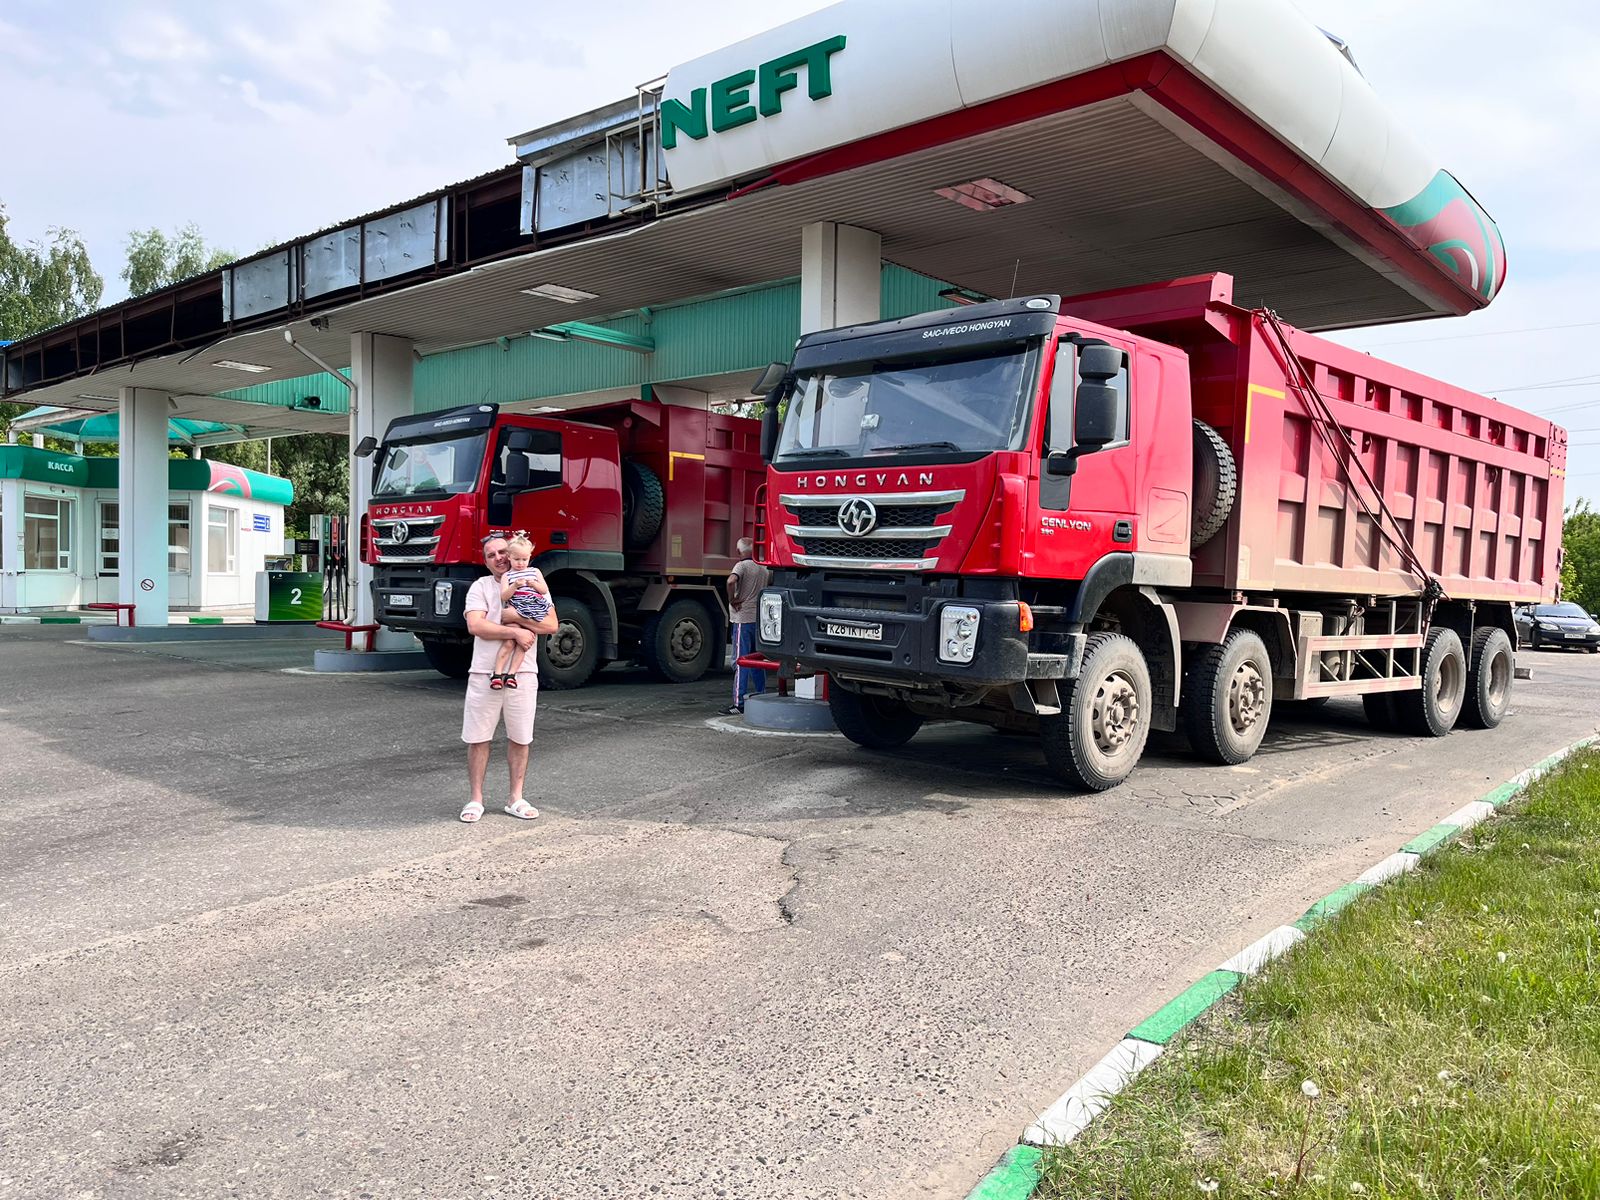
[
  {"x": 634, "y": 510},
  {"x": 1143, "y": 509}
]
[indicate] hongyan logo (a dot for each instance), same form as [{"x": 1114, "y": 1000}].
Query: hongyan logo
[
  {"x": 727, "y": 103},
  {"x": 866, "y": 479},
  {"x": 402, "y": 510}
]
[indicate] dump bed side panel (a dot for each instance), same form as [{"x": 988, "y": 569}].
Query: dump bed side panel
[
  {"x": 1474, "y": 484},
  {"x": 709, "y": 466}
]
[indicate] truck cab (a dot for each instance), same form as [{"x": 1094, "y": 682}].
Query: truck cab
[
  {"x": 944, "y": 490},
  {"x": 633, "y": 509}
]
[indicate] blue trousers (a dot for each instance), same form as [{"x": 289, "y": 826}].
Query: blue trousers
[{"x": 745, "y": 681}]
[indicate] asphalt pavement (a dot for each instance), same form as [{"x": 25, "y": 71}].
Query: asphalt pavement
[{"x": 246, "y": 949}]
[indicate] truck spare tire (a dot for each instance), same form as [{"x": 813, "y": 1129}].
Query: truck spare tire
[
  {"x": 644, "y": 504},
  {"x": 1216, "y": 485}
]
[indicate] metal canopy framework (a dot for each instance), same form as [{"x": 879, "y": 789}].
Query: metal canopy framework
[{"x": 1115, "y": 172}]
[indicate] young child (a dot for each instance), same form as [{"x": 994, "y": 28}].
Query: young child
[{"x": 526, "y": 600}]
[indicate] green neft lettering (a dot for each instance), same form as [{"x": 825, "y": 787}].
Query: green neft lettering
[
  {"x": 730, "y": 102},
  {"x": 676, "y": 115},
  {"x": 819, "y": 71},
  {"x": 730, "y": 105},
  {"x": 778, "y": 77}
]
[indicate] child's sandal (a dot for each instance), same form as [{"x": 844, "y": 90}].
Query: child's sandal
[
  {"x": 496, "y": 682},
  {"x": 511, "y": 681}
]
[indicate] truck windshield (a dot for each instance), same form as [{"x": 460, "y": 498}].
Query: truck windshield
[
  {"x": 970, "y": 404},
  {"x": 440, "y": 467}
]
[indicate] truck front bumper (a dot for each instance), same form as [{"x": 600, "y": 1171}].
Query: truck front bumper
[
  {"x": 423, "y": 599},
  {"x": 911, "y": 648}
]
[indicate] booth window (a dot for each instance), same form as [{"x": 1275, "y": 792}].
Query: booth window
[
  {"x": 179, "y": 558},
  {"x": 222, "y": 540},
  {"x": 110, "y": 534},
  {"x": 46, "y": 534}
]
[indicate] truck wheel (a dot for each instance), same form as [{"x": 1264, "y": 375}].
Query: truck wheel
[
  {"x": 1490, "y": 670},
  {"x": 1096, "y": 739},
  {"x": 1382, "y": 714},
  {"x": 677, "y": 642},
  {"x": 876, "y": 722},
  {"x": 1433, "y": 710},
  {"x": 1227, "y": 698},
  {"x": 644, "y": 505},
  {"x": 1216, "y": 484},
  {"x": 450, "y": 658},
  {"x": 571, "y": 654}
]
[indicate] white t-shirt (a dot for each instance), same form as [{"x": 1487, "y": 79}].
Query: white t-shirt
[{"x": 484, "y": 597}]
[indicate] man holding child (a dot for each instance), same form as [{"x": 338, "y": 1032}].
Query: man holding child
[{"x": 504, "y": 680}]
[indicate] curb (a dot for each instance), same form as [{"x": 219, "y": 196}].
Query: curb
[{"x": 1016, "y": 1175}]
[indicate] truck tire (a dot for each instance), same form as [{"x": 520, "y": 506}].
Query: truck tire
[
  {"x": 1491, "y": 667},
  {"x": 677, "y": 643},
  {"x": 1432, "y": 711},
  {"x": 570, "y": 655},
  {"x": 1227, "y": 698},
  {"x": 644, "y": 506},
  {"x": 449, "y": 657},
  {"x": 1097, "y": 738},
  {"x": 1216, "y": 485},
  {"x": 876, "y": 722}
]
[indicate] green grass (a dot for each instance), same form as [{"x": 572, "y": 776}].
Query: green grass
[{"x": 1443, "y": 1070}]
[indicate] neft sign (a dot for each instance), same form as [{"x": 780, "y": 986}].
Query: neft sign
[{"x": 726, "y": 104}]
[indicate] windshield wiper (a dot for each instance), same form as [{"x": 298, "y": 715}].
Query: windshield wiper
[
  {"x": 915, "y": 446},
  {"x": 818, "y": 452}
]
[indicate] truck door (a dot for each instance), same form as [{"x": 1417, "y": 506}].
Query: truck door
[{"x": 1104, "y": 481}]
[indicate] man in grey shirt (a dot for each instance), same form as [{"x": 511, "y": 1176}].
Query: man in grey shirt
[{"x": 745, "y": 584}]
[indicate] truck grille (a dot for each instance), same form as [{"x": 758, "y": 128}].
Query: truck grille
[
  {"x": 905, "y": 531},
  {"x": 417, "y": 546}
]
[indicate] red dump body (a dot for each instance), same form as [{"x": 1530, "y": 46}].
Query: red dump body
[
  {"x": 710, "y": 468},
  {"x": 1476, "y": 485}
]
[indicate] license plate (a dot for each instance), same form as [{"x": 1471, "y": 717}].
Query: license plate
[
  {"x": 861, "y": 632},
  {"x": 1573, "y": 637},
  {"x": 401, "y": 601}
]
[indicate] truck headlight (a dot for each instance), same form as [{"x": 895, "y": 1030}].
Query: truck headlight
[
  {"x": 442, "y": 592},
  {"x": 771, "y": 613},
  {"x": 958, "y": 633}
]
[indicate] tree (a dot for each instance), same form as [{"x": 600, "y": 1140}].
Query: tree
[
  {"x": 42, "y": 284},
  {"x": 156, "y": 260},
  {"x": 1580, "y": 568}
]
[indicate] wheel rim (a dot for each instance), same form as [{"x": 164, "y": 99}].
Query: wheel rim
[
  {"x": 1449, "y": 685},
  {"x": 1247, "y": 698},
  {"x": 1499, "y": 681},
  {"x": 564, "y": 648},
  {"x": 685, "y": 640},
  {"x": 1114, "y": 714}
]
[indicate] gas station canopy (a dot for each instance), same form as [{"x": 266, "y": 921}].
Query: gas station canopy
[
  {"x": 1036, "y": 145},
  {"x": 75, "y": 426}
]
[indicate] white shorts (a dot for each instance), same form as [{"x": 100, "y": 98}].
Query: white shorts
[{"x": 485, "y": 708}]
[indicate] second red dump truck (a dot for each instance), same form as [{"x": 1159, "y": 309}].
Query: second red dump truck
[
  {"x": 1144, "y": 509},
  {"x": 634, "y": 510}
]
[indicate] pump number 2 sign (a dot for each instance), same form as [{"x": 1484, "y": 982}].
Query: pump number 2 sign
[{"x": 294, "y": 596}]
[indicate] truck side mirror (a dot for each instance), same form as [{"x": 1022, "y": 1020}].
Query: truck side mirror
[
  {"x": 770, "y": 379},
  {"x": 1096, "y": 419},
  {"x": 518, "y": 475},
  {"x": 519, "y": 439},
  {"x": 769, "y": 428},
  {"x": 1098, "y": 362}
]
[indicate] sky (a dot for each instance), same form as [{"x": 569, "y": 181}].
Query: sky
[{"x": 265, "y": 121}]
